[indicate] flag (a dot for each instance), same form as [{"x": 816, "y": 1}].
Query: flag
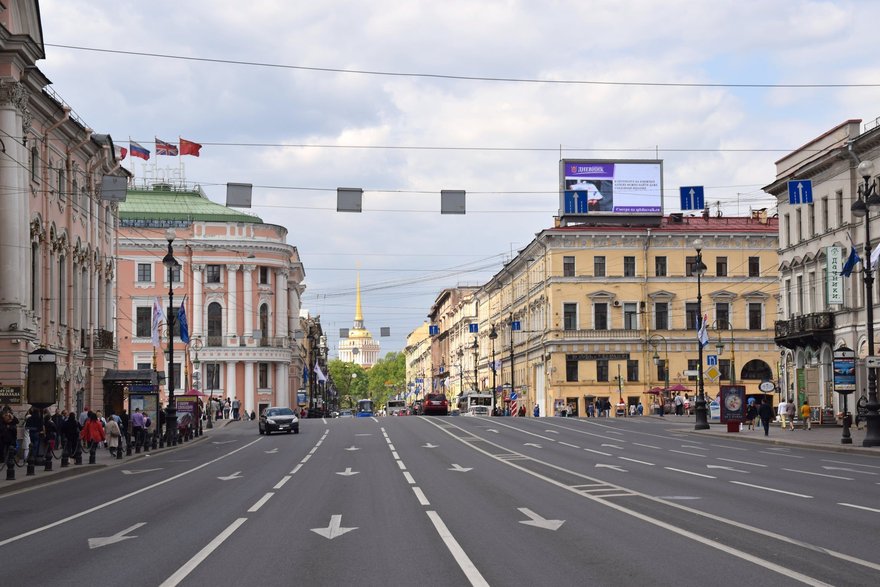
[
  {"x": 163, "y": 148},
  {"x": 305, "y": 375},
  {"x": 319, "y": 375},
  {"x": 875, "y": 256},
  {"x": 181, "y": 320},
  {"x": 189, "y": 148},
  {"x": 120, "y": 152},
  {"x": 158, "y": 316},
  {"x": 703, "y": 334},
  {"x": 851, "y": 262},
  {"x": 138, "y": 151}
]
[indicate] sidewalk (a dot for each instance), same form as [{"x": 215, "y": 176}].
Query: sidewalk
[
  {"x": 821, "y": 437},
  {"x": 103, "y": 461}
]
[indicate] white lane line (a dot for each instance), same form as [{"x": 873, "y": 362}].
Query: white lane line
[
  {"x": 850, "y": 464},
  {"x": 773, "y": 490},
  {"x": 305, "y": 459},
  {"x": 314, "y": 448},
  {"x": 401, "y": 465},
  {"x": 190, "y": 565},
  {"x": 693, "y": 454},
  {"x": 694, "y": 447},
  {"x": 636, "y": 461},
  {"x": 409, "y": 478},
  {"x": 780, "y": 454},
  {"x": 728, "y": 447},
  {"x": 281, "y": 483},
  {"x": 567, "y": 444},
  {"x": 395, "y": 455},
  {"x": 260, "y": 502},
  {"x": 464, "y": 562},
  {"x": 598, "y": 452},
  {"x": 295, "y": 469},
  {"x": 741, "y": 462},
  {"x": 391, "y": 446},
  {"x": 421, "y": 496},
  {"x": 690, "y": 473},
  {"x": 859, "y": 507},
  {"x": 819, "y": 474},
  {"x": 646, "y": 445}
]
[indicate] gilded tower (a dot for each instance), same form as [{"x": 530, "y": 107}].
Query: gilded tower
[{"x": 359, "y": 347}]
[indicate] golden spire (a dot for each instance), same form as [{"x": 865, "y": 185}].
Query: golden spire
[{"x": 358, "y": 313}]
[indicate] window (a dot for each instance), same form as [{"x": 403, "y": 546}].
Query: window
[
  {"x": 660, "y": 266},
  {"x": 811, "y": 298},
  {"x": 600, "y": 316},
  {"x": 568, "y": 266},
  {"x": 811, "y": 211},
  {"x": 599, "y": 266},
  {"x": 143, "y": 322},
  {"x": 62, "y": 291},
  {"x": 722, "y": 315},
  {"x": 693, "y": 365},
  {"x": 787, "y": 294},
  {"x": 839, "y": 201},
  {"x": 601, "y": 369},
  {"x": 215, "y": 324},
  {"x": 629, "y": 266},
  {"x": 754, "y": 267},
  {"x": 661, "y": 369},
  {"x": 145, "y": 272},
  {"x": 264, "y": 276},
  {"x": 690, "y": 264},
  {"x": 800, "y": 295},
  {"x": 175, "y": 274},
  {"x": 786, "y": 229},
  {"x": 571, "y": 369},
  {"x": 724, "y": 369},
  {"x": 175, "y": 367},
  {"x": 174, "y": 311},
  {"x": 264, "y": 320},
  {"x": 143, "y": 366},
  {"x": 212, "y": 274},
  {"x": 569, "y": 316},
  {"x": 825, "y": 214},
  {"x": 661, "y": 316},
  {"x": 721, "y": 266},
  {"x": 799, "y": 227},
  {"x": 691, "y": 316},
  {"x": 630, "y": 316},
  {"x": 632, "y": 370},
  {"x": 757, "y": 369},
  {"x": 212, "y": 376},
  {"x": 755, "y": 311},
  {"x": 263, "y": 375},
  {"x": 35, "y": 164}
]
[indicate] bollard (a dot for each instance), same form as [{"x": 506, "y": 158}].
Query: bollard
[
  {"x": 10, "y": 465},
  {"x": 93, "y": 447},
  {"x": 65, "y": 456},
  {"x": 47, "y": 463},
  {"x": 31, "y": 463},
  {"x": 127, "y": 445},
  {"x": 78, "y": 453},
  {"x": 119, "y": 450}
]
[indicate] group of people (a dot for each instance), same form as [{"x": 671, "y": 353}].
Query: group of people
[
  {"x": 785, "y": 411},
  {"x": 220, "y": 409}
]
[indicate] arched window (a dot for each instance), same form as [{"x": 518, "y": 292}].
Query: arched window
[
  {"x": 215, "y": 324},
  {"x": 756, "y": 369},
  {"x": 264, "y": 321}
]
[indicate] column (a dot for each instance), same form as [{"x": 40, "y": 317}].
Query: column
[
  {"x": 197, "y": 317},
  {"x": 281, "y": 303},
  {"x": 249, "y": 387},
  {"x": 231, "y": 300},
  {"x": 282, "y": 397},
  {"x": 248, "y": 301},
  {"x": 230, "y": 380},
  {"x": 14, "y": 213}
]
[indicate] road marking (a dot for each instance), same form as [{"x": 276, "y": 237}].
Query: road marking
[
  {"x": 728, "y": 447},
  {"x": 395, "y": 455},
  {"x": 281, "y": 483},
  {"x": 296, "y": 468},
  {"x": 532, "y": 444},
  {"x": 201, "y": 555},
  {"x": 409, "y": 478},
  {"x": 364, "y": 434},
  {"x": 118, "y": 537},
  {"x": 615, "y": 467},
  {"x": 231, "y": 477},
  {"x": 694, "y": 447},
  {"x": 740, "y": 462},
  {"x": 271, "y": 452},
  {"x": 314, "y": 448},
  {"x": 420, "y": 495},
  {"x": 851, "y": 464},
  {"x": 260, "y": 502},
  {"x": 539, "y": 521},
  {"x": 305, "y": 459},
  {"x": 773, "y": 490},
  {"x": 646, "y": 445},
  {"x": 819, "y": 474},
  {"x": 693, "y": 454},
  {"x": 429, "y": 445},
  {"x": 459, "y": 468},
  {"x": 725, "y": 468},
  {"x": 780, "y": 454},
  {"x": 352, "y": 448},
  {"x": 567, "y": 444},
  {"x": 636, "y": 461},
  {"x": 860, "y": 507},
  {"x": 391, "y": 446},
  {"x": 613, "y": 446},
  {"x": 138, "y": 472},
  {"x": 690, "y": 473},
  {"x": 827, "y": 468},
  {"x": 598, "y": 452},
  {"x": 347, "y": 472},
  {"x": 333, "y": 529},
  {"x": 552, "y": 431},
  {"x": 464, "y": 562},
  {"x": 401, "y": 465}
]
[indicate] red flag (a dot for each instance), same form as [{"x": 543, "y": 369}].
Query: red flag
[{"x": 189, "y": 148}]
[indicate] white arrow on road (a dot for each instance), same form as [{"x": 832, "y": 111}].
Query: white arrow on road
[
  {"x": 491, "y": 430},
  {"x": 347, "y": 472},
  {"x": 725, "y": 468},
  {"x": 334, "y": 529},
  {"x": 271, "y": 452},
  {"x": 613, "y": 446},
  {"x": 429, "y": 445},
  {"x": 231, "y": 477},
  {"x": 551, "y": 431},
  {"x": 118, "y": 537},
  {"x": 847, "y": 470},
  {"x": 540, "y": 522},
  {"x": 615, "y": 467},
  {"x": 532, "y": 444},
  {"x": 138, "y": 472},
  {"x": 456, "y": 467},
  {"x": 352, "y": 447}
]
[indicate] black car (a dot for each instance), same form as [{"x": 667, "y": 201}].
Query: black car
[{"x": 278, "y": 419}]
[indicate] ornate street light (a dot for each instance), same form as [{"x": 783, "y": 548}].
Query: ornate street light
[
  {"x": 476, "y": 348},
  {"x": 492, "y": 336},
  {"x": 700, "y": 409},
  {"x": 656, "y": 358},
  {"x": 171, "y": 410}
]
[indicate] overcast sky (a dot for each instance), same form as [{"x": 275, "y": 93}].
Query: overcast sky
[{"x": 314, "y": 108}]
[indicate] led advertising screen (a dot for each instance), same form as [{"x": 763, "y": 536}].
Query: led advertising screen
[{"x": 610, "y": 188}]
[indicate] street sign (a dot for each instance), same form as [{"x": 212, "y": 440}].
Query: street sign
[
  {"x": 691, "y": 373},
  {"x": 872, "y": 362},
  {"x": 767, "y": 386},
  {"x": 712, "y": 373},
  {"x": 473, "y": 328},
  {"x": 433, "y": 330},
  {"x": 711, "y": 360},
  {"x": 515, "y": 325},
  {"x": 691, "y": 197},
  {"x": 800, "y": 191}
]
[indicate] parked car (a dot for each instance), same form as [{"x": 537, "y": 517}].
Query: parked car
[
  {"x": 346, "y": 414},
  {"x": 437, "y": 404},
  {"x": 278, "y": 419}
]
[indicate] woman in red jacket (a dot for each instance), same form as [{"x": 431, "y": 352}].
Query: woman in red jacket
[{"x": 92, "y": 434}]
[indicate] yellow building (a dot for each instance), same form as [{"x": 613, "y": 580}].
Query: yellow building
[
  {"x": 418, "y": 362},
  {"x": 595, "y": 312},
  {"x": 359, "y": 347}
]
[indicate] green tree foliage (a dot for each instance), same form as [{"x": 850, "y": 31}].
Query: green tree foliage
[
  {"x": 350, "y": 380},
  {"x": 387, "y": 378}
]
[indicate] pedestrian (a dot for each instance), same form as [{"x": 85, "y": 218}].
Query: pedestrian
[
  {"x": 790, "y": 411},
  {"x": 8, "y": 433},
  {"x": 33, "y": 425},
  {"x": 782, "y": 411},
  {"x": 806, "y": 413},
  {"x": 137, "y": 428},
  {"x": 50, "y": 432},
  {"x": 235, "y": 407},
  {"x": 751, "y": 414},
  {"x": 83, "y": 416},
  {"x": 124, "y": 421},
  {"x": 765, "y": 412},
  {"x": 92, "y": 434},
  {"x": 536, "y": 412},
  {"x": 114, "y": 435},
  {"x": 70, "y": 432},
  {"x": 227, "y": 408},
  {"x": 679, "y": 404}
]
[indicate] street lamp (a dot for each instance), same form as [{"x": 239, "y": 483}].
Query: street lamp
[
  {"x": 719, "y": 346},
  {"x": 492, "y": 336},
  {"x": 476, "y": 358},
  {"x": 171, "y": 410},
  {"x": 860, "y": 208},
  {"x": 197, "y": 380},
  {"x": 460, "y": 372},
  {"x": 656, "y": 358},
  {"x": 702, "y": 422}
]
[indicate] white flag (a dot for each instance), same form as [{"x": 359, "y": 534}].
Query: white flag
[
  {"x": 875, "y": 256},
  {"x": 319, "y": 375},
  {"x": 703, "y": 334},
  {"x": 158, "y": 316}
]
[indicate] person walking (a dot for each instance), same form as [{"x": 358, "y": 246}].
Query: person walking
[
  {"x": 70, "y": 432},
  {"x": 806, "y": 412},
  {"x": 791, "y": 409},
  {"x": 137, "y": 428},
  {"x": 751, "y": 414},
  {"x": 765, "y": 412},
  {"x": 8, "y": 433},
  {"x": 93, "y": 434},
  {"x": 33, "y": 425},
  {"x": 236, "y": 406},
  {"x": 782, "y": 412},
  {"x": 537, "y": 411},
  {"x": 114, "y": 435}
]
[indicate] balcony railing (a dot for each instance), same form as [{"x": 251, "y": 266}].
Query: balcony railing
[
  {"x": 278, "y": 342},
  {"x": 215, "y": 340},
  {"x": 102, "y": 339},
  {"x": 810, "y": 330},
  {"x": 615, "y": 334}
]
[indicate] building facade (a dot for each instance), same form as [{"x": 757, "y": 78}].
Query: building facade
[
  {"x": 239, "y": 281},
  {"x": 57, "y": 233},
  {"x": 359, "y": 347},
  {"x": 418, "y": 362}
]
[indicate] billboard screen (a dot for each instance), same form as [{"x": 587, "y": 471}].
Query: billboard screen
[{"x": 610, "y": 188}]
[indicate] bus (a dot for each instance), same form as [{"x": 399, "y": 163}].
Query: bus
[
  {"x": 474, "y": 403},
  {"x": 364, "y": 408},
  {"x": 393, "y": 406}
]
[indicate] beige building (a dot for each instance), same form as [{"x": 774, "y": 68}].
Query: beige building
[
  {"x": 359, "y": 347},
  {"x": 418, "y": 361},
  {"x": 580, "y": 313}
]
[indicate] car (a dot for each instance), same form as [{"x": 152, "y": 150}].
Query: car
[
  {"x": 435, "y": 403},
  {"x": 478, "y": 411},
  {"x": 278, "y": 419},
  {"x": 346, "y": 414}
]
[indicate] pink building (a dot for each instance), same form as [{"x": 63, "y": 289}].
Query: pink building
[{"x": 240, "y": 283}]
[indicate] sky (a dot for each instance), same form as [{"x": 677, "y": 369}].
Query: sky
[{"x": 405, "y": 99}]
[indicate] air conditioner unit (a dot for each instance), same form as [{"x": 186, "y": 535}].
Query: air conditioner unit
[{"x": 616, "y": 303}]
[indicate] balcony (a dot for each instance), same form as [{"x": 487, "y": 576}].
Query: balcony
[
  {"x": 611, "y": 334},
  {"x": 805, "y": 331},
  {"x": 278, "y": 342},
  {"x": 215, "y": 340},
  {"x": 102, "y": 339}
]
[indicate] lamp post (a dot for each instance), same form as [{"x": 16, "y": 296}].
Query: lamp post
[
  {"x": 656, "y": 358},
  {"x": 171, "y": 410},
  {"x": 460, "y": 372},
  {"x": 860, "y": 208},
  {"x": 719, "y": 346},
  {"x": 700, "y": 410},
  {"x": 492, "y": 336},
  {"x": 512, "y": 385},
  {"x": 197, "y": 380},
  {"x": 476, "y": 358}
]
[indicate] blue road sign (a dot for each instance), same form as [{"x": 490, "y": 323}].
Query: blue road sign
[
  {"x": 800, "y": 191},
  {"x": 692, "y": 197},
  {"x": 473, "y": 328},
  {"x": 433, "y": 330},
  {"x": 711, "y": 360},
  {"x": 515, "y": 325}
]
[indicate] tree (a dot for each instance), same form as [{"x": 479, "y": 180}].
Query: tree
[
  {"x": 387, "y": 378},
  {"x": 351, "y": 381}
]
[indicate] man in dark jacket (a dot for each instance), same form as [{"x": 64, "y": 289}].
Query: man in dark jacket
[
  {"x": 765, "y": 412},
  {"x": 8, "y": 432}
]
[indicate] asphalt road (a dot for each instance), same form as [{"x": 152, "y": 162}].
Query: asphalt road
[{"x": 455, "y": 501}]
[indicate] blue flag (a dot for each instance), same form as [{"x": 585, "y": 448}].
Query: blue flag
[
  {"x": 305, "y": 375},
  {"x": 851, "y": 262},
  {"x": 184, "y": 326}
]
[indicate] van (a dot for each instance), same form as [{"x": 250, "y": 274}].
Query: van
[{"x": 394, "y": 406}]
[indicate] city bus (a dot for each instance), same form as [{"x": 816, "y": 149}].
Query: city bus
[
  {"x": 473, "y": 403},
  {"x": 364, "y": 408}
]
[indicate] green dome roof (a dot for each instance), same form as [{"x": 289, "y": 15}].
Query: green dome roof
[{"x": 167, "y": 204}]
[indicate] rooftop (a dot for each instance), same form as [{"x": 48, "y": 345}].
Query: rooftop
[{"x": 163, "y": 203}]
